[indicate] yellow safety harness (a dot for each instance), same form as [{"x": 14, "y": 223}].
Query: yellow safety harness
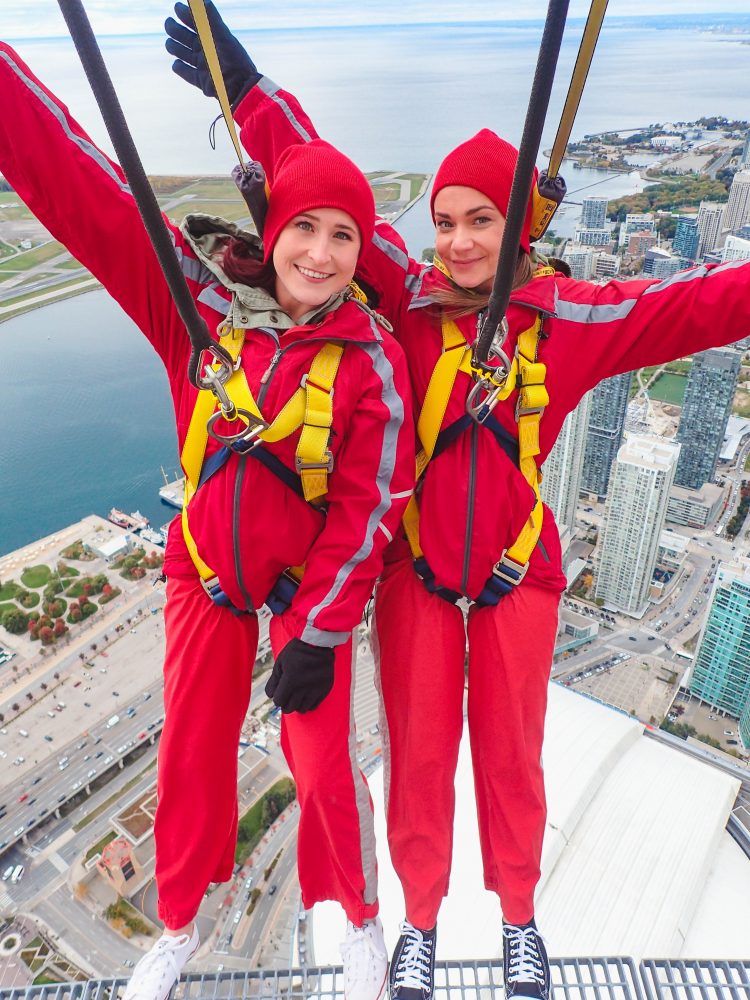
[
  {"x": 311, "y": 408},
  {"x": 528, "y": 376}
]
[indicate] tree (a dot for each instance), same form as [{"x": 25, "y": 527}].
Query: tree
[
  {"x": 60, "y": 628},
  {"x": 56, "y": 676},
  {"x": 43, "y": 686},
  {"x": 15, "y": 706},
  {"x": 15, "y": 621},
  {"x": 47, "y": 635},
  {"x": 29, "y": 696}
]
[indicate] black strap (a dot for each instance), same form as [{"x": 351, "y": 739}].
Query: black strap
[
  {"x": 504, "y": 438},
  {"x": 161, "y": 239}
]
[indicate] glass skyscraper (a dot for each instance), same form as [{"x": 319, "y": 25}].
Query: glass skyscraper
[
  {"x": 705, "y": 412},
  {"x": 609, "y": 403},
  {"x": 721, "y": 673}
]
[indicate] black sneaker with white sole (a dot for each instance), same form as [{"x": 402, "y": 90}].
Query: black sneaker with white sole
[
  {"x": 526, "y": 971},
  {"x": 412, "y": 975}
]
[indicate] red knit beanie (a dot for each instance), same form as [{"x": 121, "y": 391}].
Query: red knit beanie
[
  {"x": 485, "y": 162},
  {"x": 315, "y": 175}
]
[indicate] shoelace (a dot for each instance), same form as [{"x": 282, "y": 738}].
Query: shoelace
[
  {"x": 525, "y": 965},
  {"x": 150, "y": 971},
  {"x": 359, "y": 945},
  {"x": 413, "y": 969}
]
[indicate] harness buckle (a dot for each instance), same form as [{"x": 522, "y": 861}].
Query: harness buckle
[
  {"x": 250, "y": 436},
  {"x": 508, "y": 570},
  {"x": 301, "y": 465},
  {"x": 483, "y": 397}
]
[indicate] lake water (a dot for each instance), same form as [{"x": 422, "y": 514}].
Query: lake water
[{"x": 85, "y": 414}]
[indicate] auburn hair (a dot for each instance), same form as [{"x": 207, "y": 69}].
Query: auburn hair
[
  {"x": 454, "y": 301},
  {"x": 242, "y": 267}
]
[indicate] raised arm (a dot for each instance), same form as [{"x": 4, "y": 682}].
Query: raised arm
[
  {"x": 83, "y": 199},
  {"x": 272, "y": 119},
  {"x": 603, "y": 330}
]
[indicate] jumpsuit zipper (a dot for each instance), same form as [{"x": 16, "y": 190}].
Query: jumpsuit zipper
[
  {"x": 236, "y": 522},
  {"x": 470, "y": 509},
  {"x": 472, "y": 492}
]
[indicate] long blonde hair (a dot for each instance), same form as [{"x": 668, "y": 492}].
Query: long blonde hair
[{"x": 453, "y": 301}]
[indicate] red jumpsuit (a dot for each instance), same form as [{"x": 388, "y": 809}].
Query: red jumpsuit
[
  {"x": 248, "y": 525},
  {"x": 473, "y": 503}
]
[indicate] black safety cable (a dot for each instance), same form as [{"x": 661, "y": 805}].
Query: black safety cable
[
  {"x": 523, "y": 177},
  {"x": 127, "y": 155}
]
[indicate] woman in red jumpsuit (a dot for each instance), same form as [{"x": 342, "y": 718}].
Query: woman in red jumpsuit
[
  {"x": 474, "y": 502},
  {"x": 282, "y": 304}
]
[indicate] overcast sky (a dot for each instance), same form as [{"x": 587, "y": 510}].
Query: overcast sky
[{"x": 42, "y": 18}]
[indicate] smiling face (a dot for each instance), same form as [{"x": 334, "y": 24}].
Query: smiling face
[
  {"x": 469, "y": 228},
  {"x": 314, "y": 258}
]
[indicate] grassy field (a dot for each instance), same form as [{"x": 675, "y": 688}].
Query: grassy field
[
  {"x": 30, "y": 258},
  {"x": 234, "y": 209},
  {"x": 669, "y": 388}
]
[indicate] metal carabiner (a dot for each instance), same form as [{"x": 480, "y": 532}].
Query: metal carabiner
[
  {"x": 250, "y": 435},
  {"x": 479, "y": 411}
]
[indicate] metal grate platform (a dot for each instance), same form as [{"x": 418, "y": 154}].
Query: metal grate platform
[{"x": 573, "y": 979}]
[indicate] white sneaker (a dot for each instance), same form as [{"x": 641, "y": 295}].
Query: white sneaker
[
  {"x": 159, "y": 970},
  {"x": 365, "y": 961}
]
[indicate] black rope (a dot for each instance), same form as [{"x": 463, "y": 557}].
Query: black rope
[
  {"x": 127, "y": 155},
  {"x": 523, "y": 176}
]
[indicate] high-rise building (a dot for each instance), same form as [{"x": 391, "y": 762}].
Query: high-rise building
[
  {"x": 561, "y": 482},
  {"x": 735, "y": 248},
  {"x": 640, "y": 242},
  {"x": 609, "y": 403},
  {"x": 580, "y": 260},
  {"x": 710, "y": 224},
  {"x": 660, "y": 263},
  {"x": 606, "y": 265},
  {"x": 593, "y": 213},
  {"x": 633, "y": 521},
  {"x": 636, "y": 222},
  {"x": 738, "y": 206},
  {"x": 705, "y": 412},
  {"x": 594, "y": 237},
  {"x": 721, "y": 670},
  {"x": 745, "y": 157},
  {"x": 686, "y": 239}
]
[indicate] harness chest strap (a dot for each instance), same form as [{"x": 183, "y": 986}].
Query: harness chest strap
[
  {"x": 528, "y": 376},
  {"x": 311, "y": 407}
]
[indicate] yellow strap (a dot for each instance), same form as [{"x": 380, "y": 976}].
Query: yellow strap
[
  {"x": 529, "y": 376},
  {"x": 313, "y": 458},
  {"x": 198, "y": 10},
  {"x": 312, "y": 402}
]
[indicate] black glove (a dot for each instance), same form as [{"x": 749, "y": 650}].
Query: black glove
[
  {"x": 302, "y": 676},
  {"x": 237, "y": 67}
]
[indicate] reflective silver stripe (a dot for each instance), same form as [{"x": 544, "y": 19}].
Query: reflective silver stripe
[
  {"x": 393, "y": 403},
  {"x": 391, "y": 250},
  {"x": 210, "y": 297},
  {"x": 585, "y": 312},
  {"x": 695, "y": 272},
  {"x": 193, "y": 268},
  {"x": 84, "y": 145},
  {"x": 401, "y": 495},
  {"x": 362, "y": 798},
  {"x": 270, "y": 89}
]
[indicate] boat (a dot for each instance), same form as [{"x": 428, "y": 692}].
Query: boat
[
  {"x": 172, "y": 493},
  {"x": 140, "y": 521},
  {"x": 149, "y": 535},
  {"x": 120, "y": 519},
  {"x": 133, "y": 522}
]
